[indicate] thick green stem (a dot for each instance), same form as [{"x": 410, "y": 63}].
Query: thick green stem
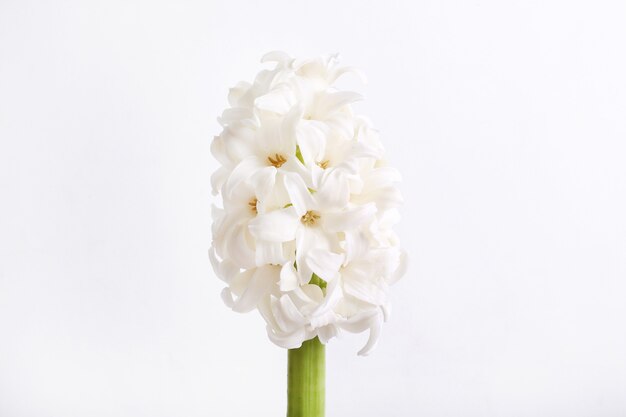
[{"x": 306, "y": 380}]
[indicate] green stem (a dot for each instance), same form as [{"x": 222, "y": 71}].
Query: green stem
[{"x": 306, "y": 379}]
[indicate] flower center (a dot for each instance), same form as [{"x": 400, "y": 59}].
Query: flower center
[
  {"x": 323, "y": 164},
  {"x": 277, "y": 161},
  {"x": 309, "y": 218},
  {"x": 252, "y": 203}
]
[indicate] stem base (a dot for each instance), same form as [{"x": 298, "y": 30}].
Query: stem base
[{"x": 306, "y": 380}]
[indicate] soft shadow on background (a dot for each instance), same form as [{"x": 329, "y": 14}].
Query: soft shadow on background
[{"x": 506, "y": 119}]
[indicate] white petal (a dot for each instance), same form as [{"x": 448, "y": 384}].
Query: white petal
[
  {"x": 269, "y": 253},
  {"x": 261, "y": 284},
  {"x": 238, "y": 141},
  {"x": 356, "y": 244},
  {"x": 265, "y": 309},
  {"x": 348, "y": 219},
  {"x": 218, "y": 150},
  {"x": 306, "y": 241},
  {"x": 227, "y": 297},
  {"x": 218, "y": 179},
  {"x": 367, "y": 320},
  {"x": 372, "y": 341},
  {"x": 288, "y": 129},
  {"x": 342, "y": 124},
  {"x": 279, "y": 100},
  {"x": 225, "y": 270},
  {"x": 311, "y": 141},
  {"x": 334, "y": 101},
  {"x": 402, "y": 267},
  {"x": 324, "y": 264},
  {"x": 348, "y": 70},
  {"x": 291, "y": 340},
  {"x": 310, "y": 294},
  {"x": 324, "y": 313},
  {"x": 236, "y": 92},
  {"x": 386, "y": 198},
  {"x": 364, "y": 288},
  {"x": 294, "y": 166},
  {"x": 360, "y": 321},
  {"x": 276, "y": 56},
  {"x": 235, "y": 115},
  {"x": 242, "y": 173},
  {"x": 276, "y": 226},
  {"x": 287, "y": 314},
  {"x": 299, "y": 194},
  {"x": 238, "y": 248},
  {"x": 382, "y": 177},
  {"x": 288, "y": 277},
  {"x": 239, "y": 283},
  {"x": 263, "y": 181},
  {"x": 386, "y": 309},
  {"x": 327, "y": 332},
  {"x": 334, "y": 190},
  {"x": 362, "y": 150}
]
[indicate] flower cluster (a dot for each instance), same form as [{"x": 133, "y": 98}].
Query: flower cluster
[{"x": 305, "y": 233}]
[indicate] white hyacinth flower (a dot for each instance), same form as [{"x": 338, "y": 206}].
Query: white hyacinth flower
[{"x": 305, "y": 233}]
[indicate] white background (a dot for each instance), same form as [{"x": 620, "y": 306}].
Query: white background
[{"x": 507, "y": 119}]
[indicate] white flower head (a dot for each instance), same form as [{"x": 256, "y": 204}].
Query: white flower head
[{"x": 305, "y": 233}]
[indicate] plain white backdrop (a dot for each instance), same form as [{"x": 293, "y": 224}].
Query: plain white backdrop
[{"x": 506, "y": 118}]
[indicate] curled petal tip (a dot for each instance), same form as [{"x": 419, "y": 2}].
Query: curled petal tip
[{"x": 275, "y": 56}]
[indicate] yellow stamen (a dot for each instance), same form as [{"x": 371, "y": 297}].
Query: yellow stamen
[
  {"x": 252, "y": 203},
  {"x": 309, "y": 218},
  {"x": 277, "y": 161},
  {"x": 323, "y": 164}
]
